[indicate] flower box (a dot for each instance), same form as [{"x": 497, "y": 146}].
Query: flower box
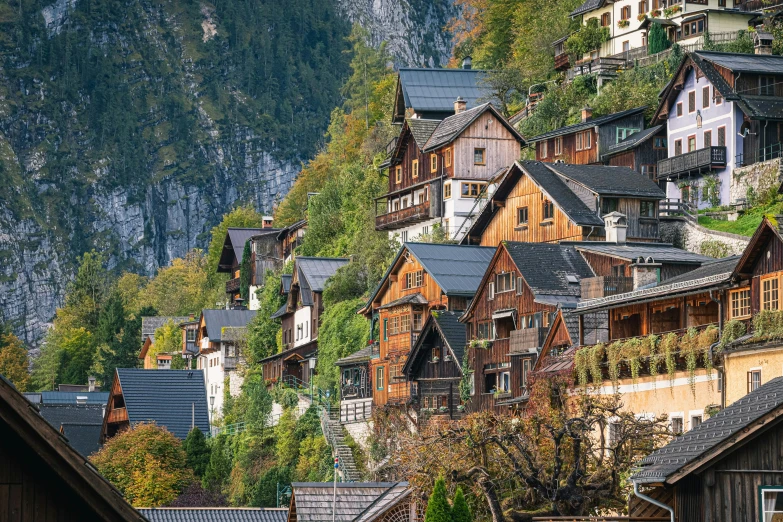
[
  {"x": 641, "y": 17},
  {"x": 443, "y": 409},
  {"x": 622, "y": 24},
  {"x": 435, "y": 359}
]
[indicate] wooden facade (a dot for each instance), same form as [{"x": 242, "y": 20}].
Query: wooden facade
[{"x": 116, "y": 417}]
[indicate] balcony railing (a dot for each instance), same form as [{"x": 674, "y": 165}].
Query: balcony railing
[
  {"x": 759, "y": 5},
  {"x": 767, "y": 153},
  {"x": 604, "y": 286},
  {"x": 356, "y": 391},
  {"x": 230, "y": 363},
  {"x": 693, "y": 162},
  {"x": 232, "y": 285},
  {"x": 527, "y": 339},
  {"x": 596, "y": 66},
  {"x": 403, "y": 217},
  {"x": 118, "y": 415}
]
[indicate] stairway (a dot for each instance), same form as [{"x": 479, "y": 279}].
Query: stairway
[{"x": 333, "y": 431}]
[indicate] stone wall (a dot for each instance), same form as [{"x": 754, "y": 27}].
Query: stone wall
[
  {"x": 360, "y": 431},
  {"x": 695, "y": 238},
  {"x": 761, "y": 176}
]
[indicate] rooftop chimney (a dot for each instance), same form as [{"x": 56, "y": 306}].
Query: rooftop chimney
[
  {"x": 616, "y": 225},
  {"x": 762, "y": 42},
  {"x": 460, "y": 105},
  {"x": 587, "y": 114},
  {"x": 91, "y": 383},
  {"x": 467, "y": 63}
]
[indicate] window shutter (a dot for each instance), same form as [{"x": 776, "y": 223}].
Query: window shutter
[
  {"x": 520, "y": 286},
  {"x": 491, "y": 291}
]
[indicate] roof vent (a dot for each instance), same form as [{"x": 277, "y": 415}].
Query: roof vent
[{"x": 467, "y": 63}]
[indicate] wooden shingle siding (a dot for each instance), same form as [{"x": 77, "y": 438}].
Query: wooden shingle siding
[{"x": 501, "y": 148}]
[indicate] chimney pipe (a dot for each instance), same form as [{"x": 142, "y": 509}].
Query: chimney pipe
[
  {"x": 460, "y": 105},
  {"x": 587, "y": 114},
  {"x": 467, "y": 63}
]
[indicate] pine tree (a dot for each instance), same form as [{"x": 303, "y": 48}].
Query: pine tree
[
  {"x": 218, "y": 470},
  {"x": 459, "y": 508},
  {"x": 657, "y": 40},
  {"x": 197, "y": 451},
  {"x": 438, "y": 509}
]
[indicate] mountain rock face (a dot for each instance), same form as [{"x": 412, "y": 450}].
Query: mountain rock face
[{"x": 132, "y": 126}]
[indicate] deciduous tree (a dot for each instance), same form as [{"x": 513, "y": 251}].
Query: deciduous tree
[{"x": 13, "y": 361}]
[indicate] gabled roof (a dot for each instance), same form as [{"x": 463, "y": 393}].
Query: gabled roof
[
  {"x": 446, "y": 325},
  {"x": 435, "y": 90},
  {"x": 631, "y": 251},
  {"x": 416, "y": 298},
  {"x": 80, "y": 424},
  {"x": 234, "y": 245},
  {"x": 26, "y": 430},
  {"x": 744, "y": 62},
  {"x": 632, "y": 141},
  {"x": 758, "y": 245},
  {"x": 545, "y": 267},
  {"x": 561, "y": 195},
  {"x": 216, "y": 320},
  {"x": 280, "y": 312},
  {"x": 450, "y": 128},
  {"x": 589, "y": 5},
  {"x": 421, "y": 130},
  {"x": 354, "y": 501},
  {"x": 360, "y": 356},
  {"x": 316, "y": 270},
  {"x": 169, "y": 398},
  {"x": 215, "y": 514},
  {"x": 592, "y": 122},
  {"x": 291, "y": 228},
  {"x": 610, "y": 181},
  {"x": 85, "y": 438},
  {"x": 716, "y": 436},
  {"x": 150, "y": 324}
]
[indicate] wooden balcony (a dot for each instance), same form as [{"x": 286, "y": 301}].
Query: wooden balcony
[
  {"x": 561, "y": 62},
  {"x": 118, "y": 415},
  {"x": 403, "y": 217},
  {"x": 702, "y": 160},
  {"x": 604, "y": 286},
  {"x": 232, "y": 285},
  {"x": 527, "y": 339},
  {"x": 602, "y": 66}
]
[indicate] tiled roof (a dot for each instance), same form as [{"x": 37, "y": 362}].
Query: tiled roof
[
  {"x": 355, "y": 501},
  {"x": 562, "y": 196},
  {"x": 316, "y": 270},
  {"x": 291, "y": 228},
  {"x": 589, "y": 5},
  {"x": 630, "y": 251},
  {"x": 81, "y": 424},
  {"x": 58, "y": 397},
  {"x": 686, "y": 449},
  {"x": 211, "y": 514},
  {"x": 357, "y": 357},
  {"x": 545, "y": 267},
  {"x": 280, "y": 312},
  {"x": 450, "y": 128},
  {"x": 633, "y": 141},
  {"x": 166, "y": 397},
  {"x": 453, "y": 331},
  {"x": 711, "y": 268},
  {"x": 285, "y": 282},
  {"x": 85, "y": 438},
  {"x": 592, "y": 122},
  {"x": 436, "y": 90},
  {"x": 610, "y": 181},
  {"x": 422, "y": 130},
  {"x": 216, "y": 320},
  {"x": 456, "y": 269},
  {"x": 150, "y": 324},
  {"x": 745, "y": 63}
]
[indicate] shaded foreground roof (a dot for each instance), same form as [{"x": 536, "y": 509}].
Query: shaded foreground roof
[
  {"x": 169, "y": 398},
  {"x": 693, "y": 446},
  {"x": 355, "y": 501},
  {"x": 630, "y": 251},
  {"x": 562, "y": 196},
  {"x": 592, "y": 122},
  {"x": 85, "y": 438},
  {"x": 436, "y": 90},
  {"x": 546, "y": 267},
  {"x": 215, "y": 514},
  {"x": 80, "y": 424},
  {"x": 216, "y": 320}
]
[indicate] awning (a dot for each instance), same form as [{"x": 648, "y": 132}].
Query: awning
[{"x": 502, "y": 314}]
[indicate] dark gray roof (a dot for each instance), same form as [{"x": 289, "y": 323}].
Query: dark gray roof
[
  {"x": 545, "y": 267},
  {"x": 686, "y": 449},
  {"x": 562, "y": 196},
  {"x": 58, "y": 397},
  {"x": 435, "y": 90},
  {"x": 316, "y": 270},
  {"x": 166, "y": 398},
  {"x": 211, "y": 514},
  {"x": 745, "y": 63},
  {"x": 572, "y": 325},
  {"x": 451, "y": 127},
  {"x": 285, "y": 282},
  {"x": 589, "y": 5},
  {"x": 280, "y": 312},
  {"x": 150, "y": 324},
  {"x": 422, "y": 130},
  {"x": 357, "y": 357},
  {"x": 290, "y": 228},
  {"x": 216, "y": 320},
  {"x": 416, "y": 298},
  {"x": 633, "y": 141},
  {"x": 240, "y": 236},
  {"x": 600, "y": 120},
  {"x": 711, "y": 268},
  {"x": 85, "y": 438},
  {"x": 57, "y": 414},
  {"x": 610, "y": 181},
  {"x": 660, "y": 252},
  {"x": 355, "y": 501},
  {"x": 456, "y": 269},
  {"x": 452, "y": 331}
]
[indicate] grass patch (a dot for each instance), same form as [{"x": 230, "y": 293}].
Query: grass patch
[
  {"x": 746, "y": 224},
  {"x": 359, "y": 456}
]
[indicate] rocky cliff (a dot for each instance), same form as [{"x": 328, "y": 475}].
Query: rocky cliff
[{"x": 132, "y": 126}]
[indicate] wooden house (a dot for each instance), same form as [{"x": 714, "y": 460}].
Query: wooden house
[
  {"x": 641, "y": 151},
  {"x": 356, "y": 386},
  {"x": 266, "y": 254},
  {"x": 521, "y": 291},
  {"x": 354, "y": 502},
  {"x": 290, "y": 238},
  {"x": 149, "y": 358},
  {"x": 541, "y": 203},
  {"x": 300, "y": 318},
  {"x": 43, "y": 478},
  {"x": 730, "y": 467},
  {"x": 439, "y": 170},
  {"x": 422, "y": 277},
  {"x": 435, "y": 366},
  {"x": 231, "y": 259},
  {"x": 175, "y": 400},
  {"x": 722, "y": 111}
]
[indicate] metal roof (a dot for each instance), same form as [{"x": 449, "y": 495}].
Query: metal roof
[
  {"x": 58, "y": 397},
  {"x": 452, "y": 331},
  {"x": 215, "y": 514},
  {"x": 416, "y": 298},
  {"x": 316, "y": 270},
  {"x": 633, "y": 141},
  {"x": 610, "y": 181},
  {"x": 240, "y": 236},
  {"x": 360, "y": 356},
  {"x": 450, "y": 128},
  {"x": 421, "y": 130},
  {"x": 746, "y": 63},
  {"x": 435, "y": 90},
  {"x": 354, "y": 501},
  {"x": 285, "y": 282},
  {"x": 216, "y": 320},
  {"x": 659, "y": 252},
  {"x": 592, "y": 122},
  {"x": 693, "y": 445},
  {"x": 81, "y": 424},
  {"x": 85, "y": 438},
  {"x": 456, "y": 269},
  {"x": 562, "y": 196},
  {"x": 545, "y": 267},
  {"x": 150, "y": 324},
  {"x": 166, "y": 397}
]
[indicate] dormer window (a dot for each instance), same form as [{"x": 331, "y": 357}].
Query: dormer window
[{"x": 433, "y": 162}]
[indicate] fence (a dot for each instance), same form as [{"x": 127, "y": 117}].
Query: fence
[{"x": 758, "y": 155}]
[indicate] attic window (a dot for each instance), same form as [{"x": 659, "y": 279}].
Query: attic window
[
  {"x": 572, "y": 279},
  {"x": 81, "y": 399}
]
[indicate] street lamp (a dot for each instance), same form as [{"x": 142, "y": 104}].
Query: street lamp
[{"x": 211, "y": 409}]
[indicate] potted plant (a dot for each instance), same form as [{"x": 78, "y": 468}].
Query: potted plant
[
  {"x": 655, "y": 13},
  {"x": 480, "y": 343},
  {"x": 622, "y": 24},
  {"x": 641, "y": 17},
  {"x": 447, "y": 357},
  {"x": 670, "y": 11},
  {"x": 435, "y": 359},
  {"x": 444, "y": 409},
  {"x": 461, "y": 408}
]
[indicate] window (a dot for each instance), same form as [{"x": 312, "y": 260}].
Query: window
[
  {"x": 504, "y": 382},
  {"x": 447, "y": 191},
  {"x": 643, "y": 7},
  {"x": 404, "y": 236},
  {"x": 692, "y": 101},
  {"x": 418, "y": 321},
  {"x": 691, "y": 143},
  {"x": 608, "y": 205},
  {"x": 718, "y": 97},
  {"x": 769, "y": 293},
  {"x": 754, "y": 380},
  {"x": 405, "y": 323},
  {"x": 521, "y": 216},
  {"x": 647, "y": 209},
  {"x": 708, "y": 138},
  {"x": 520, "y": 285},
  {"x": 614, "y": 433},
  {"x": 447, "y": 157},
  {"x": 394, "y": 325},
  {"x": 491, "y": 291},
  {"x": 578, "y": 140},
  {"x": 659, "y": 142},
  {"x": 677, "y": 425},
  {"x": 433, "y": 162},
  {"x": 479, "y": 156},
  {"x": 504, "y": 282},
  {"x": 766, "y": 86},
  {"x": 548, "y": 210},
  {"x": 677, "y": 147},
  {"x": 695, "y": 421},
  {"x": 606, "y": 20},
  {"x": 471, "y": 190},
  {"x": 650, "y": 171},
  {"x": 379, "y": 378},
  {"x": 623, "y": 133},
  {"x": 525, "y": 371},
  {"x": 558, "y": 146},
  {"x": 398, "y": 174},
  {"x": 770, "y": 502},
  {"x": 719, "y": 386},
  {"x": 544, "y": 149},
  {"x": 625, "y": 13},
  {"x": 191, "y": 335},
  {"x": 721, "y": 136},
  {"x": 484, "y": 330},
  {"x": 583, "y": 140},
  {"x": 414, "y": 279},
  {"x": 679, "y": 109},
  {"x": 385, "y": 329},
  {"x": 415, "y": 168},
  {"x": 739, "y": 303},
  {"x": 705, "y": 97},
  {"x": 721, "y": 3}
]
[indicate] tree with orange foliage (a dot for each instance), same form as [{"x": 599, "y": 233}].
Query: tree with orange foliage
[{"x": 13, "y": 360}]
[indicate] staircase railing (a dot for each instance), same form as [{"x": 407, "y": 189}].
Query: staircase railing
[
  {"x": 317, "y": 395},
  {"x": 331, "y": 438}
]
